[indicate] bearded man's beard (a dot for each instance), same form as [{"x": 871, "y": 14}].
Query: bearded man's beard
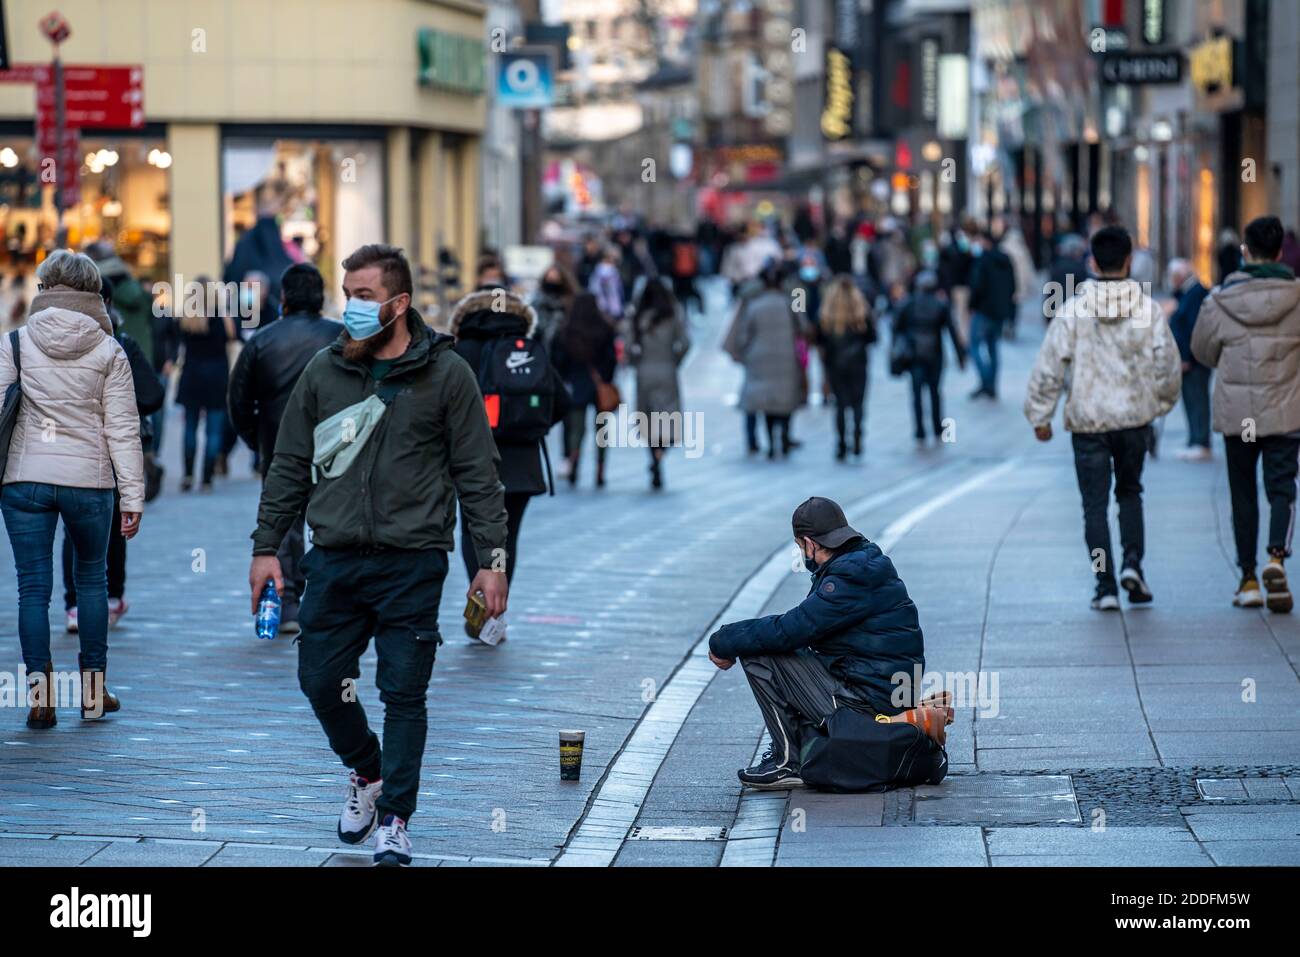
[{"x": 360, "y": 350}]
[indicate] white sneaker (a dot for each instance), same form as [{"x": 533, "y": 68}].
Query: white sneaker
[
  {"x": 1105, "y": 602},
  {"x": 392, "y": 846},
  {"x": 1248, "y": 593},
  {"x": 1196, "y": 453},
  {"x": 1277, "y": 593},
  {"x": 359, "y": 817},
  {"x": 1131, "y": 580}
]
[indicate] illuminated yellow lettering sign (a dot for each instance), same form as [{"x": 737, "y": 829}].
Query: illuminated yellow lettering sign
[{"x": 837, "y": 116}]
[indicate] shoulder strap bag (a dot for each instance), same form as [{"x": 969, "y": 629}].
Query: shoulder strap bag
[{"x": 12, "y": 399}]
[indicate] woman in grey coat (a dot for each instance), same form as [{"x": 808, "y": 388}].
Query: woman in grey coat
[
  {"x": 763, "y": 339},
  {"x": 657, "y": 343}
]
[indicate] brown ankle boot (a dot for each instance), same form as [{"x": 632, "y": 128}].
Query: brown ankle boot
[
  {"x": 929, "y": 719},
  {"x": 40, "y": 696},
  {"x": 96, "y": 699}
]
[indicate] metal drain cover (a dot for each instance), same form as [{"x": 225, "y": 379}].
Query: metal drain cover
[
  {"x": 678, "y": 834},
  {"x": 1248, "y": 789}
]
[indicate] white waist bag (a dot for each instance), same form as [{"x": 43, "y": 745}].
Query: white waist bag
[{"x": 339, "y": 439}]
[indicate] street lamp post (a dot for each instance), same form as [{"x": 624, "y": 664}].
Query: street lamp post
[{"x": 56, "y": 30}]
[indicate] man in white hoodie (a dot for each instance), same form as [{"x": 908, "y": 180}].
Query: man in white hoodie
[{"x": 1124, "y": 373}]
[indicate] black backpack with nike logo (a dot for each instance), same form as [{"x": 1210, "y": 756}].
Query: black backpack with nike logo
[{"x": 514, "y": 375}]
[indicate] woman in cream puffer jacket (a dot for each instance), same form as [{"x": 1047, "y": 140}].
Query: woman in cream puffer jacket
[{"x": 77, "y": 437}]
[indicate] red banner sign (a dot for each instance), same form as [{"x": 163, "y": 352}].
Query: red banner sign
[{"x": 95, "y": 97}]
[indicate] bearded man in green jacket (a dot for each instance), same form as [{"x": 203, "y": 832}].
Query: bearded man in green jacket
[{"x": 383, "y": 516}]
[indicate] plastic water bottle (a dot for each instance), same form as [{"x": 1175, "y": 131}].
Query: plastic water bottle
[{"x": 268, "y": 612}]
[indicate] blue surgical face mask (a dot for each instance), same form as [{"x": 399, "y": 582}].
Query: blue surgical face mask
[
  {"x": 361, "y": 317},
  {"x": 809, "y": 273}
]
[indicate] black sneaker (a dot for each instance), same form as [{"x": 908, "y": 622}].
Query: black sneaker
[
  {"x": 1131, "y": 580},
  {"x": 1105, "y": 599},
  {"x": 770, "y": 775}
]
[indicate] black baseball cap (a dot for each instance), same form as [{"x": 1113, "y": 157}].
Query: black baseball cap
[{"x": 823, "y": 521}]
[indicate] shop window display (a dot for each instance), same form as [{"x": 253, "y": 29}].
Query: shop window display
[
  {"x": 123, "y": 201},
  {"x": 296, "y": 200}
]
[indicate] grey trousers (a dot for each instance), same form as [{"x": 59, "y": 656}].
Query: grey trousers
[{"x": 791, "y": 688}]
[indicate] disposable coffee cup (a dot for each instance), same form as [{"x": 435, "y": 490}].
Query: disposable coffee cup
[{"x": 571, "y": 754}]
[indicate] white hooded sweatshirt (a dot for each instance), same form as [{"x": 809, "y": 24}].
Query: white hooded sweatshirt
[{"x": 1123, "y": 363}]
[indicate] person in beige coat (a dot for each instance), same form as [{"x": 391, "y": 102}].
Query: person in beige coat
[
  {"x": 1249, "y": 330},
  {"x": 76, "y": 438},
  {"x": 1125, "y": 372}
]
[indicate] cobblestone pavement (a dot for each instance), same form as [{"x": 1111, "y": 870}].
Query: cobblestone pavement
[{"x": 1169, "y": 734}]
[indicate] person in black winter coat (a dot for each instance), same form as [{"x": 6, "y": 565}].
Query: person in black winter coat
[
  {"x": 149, "y": 395},
  {"x": 583, "y": 354},
  {"x": 260, "y": 384},
  {"x": 846, "y": 333},
  {"x": 1189, "y": 295},
  {"x": 166, "y": 351},
  {"x": 854, "y": 641},
  {"x": 476, "y": 321},
  {"x": 205, "y": 374},
  {"x": 260, "y": 250},
  {"x": 1069, "y": 270},
  {"x": 270, "y": 364},
  {"x": 1227, "y": 259},
  {"x": 992, "y": 304},
  {"x": 923, "y": 319}
]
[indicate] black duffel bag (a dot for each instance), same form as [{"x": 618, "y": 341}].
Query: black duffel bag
[{"x": 850, "y": 751}]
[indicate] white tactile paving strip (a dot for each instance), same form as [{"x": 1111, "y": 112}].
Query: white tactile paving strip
[
  {"x": 752, "y": 842},
  {"x": 618, "y": 799}
]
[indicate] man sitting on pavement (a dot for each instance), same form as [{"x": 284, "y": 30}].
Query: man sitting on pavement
[{"x": 848, "y": 644}]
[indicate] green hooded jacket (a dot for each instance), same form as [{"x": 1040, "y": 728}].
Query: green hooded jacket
[{"x": 432, "y": 446}]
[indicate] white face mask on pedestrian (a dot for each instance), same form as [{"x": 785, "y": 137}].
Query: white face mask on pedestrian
[{"x": 809, "y": 561}]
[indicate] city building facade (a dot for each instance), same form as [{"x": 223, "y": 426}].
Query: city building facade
[{"x": 353, "y": 137}]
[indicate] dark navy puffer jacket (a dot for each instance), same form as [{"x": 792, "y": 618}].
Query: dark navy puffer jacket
[{"x": 857, "y": 619}]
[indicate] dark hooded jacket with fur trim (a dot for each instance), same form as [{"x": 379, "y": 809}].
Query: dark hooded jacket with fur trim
[{"x": 475, "y": 323}]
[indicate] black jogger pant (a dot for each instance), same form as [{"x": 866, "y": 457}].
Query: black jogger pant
[
  {"x": 843, "y": 412},
  {"x": 925, "y": 378},
  {"x": 1281, "y": 457},
  {"x": 791, "y": 688},
  {"x": 391, "y": 595},
  {"x": 1098, "y": 456}
]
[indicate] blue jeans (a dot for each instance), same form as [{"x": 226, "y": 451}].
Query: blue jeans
[
  {"x": 213, "y": 435},
  {"x": 1196, "y": 403},
  {"x": 31, "y": 513},
  {"x": 984, "y": 336}
]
